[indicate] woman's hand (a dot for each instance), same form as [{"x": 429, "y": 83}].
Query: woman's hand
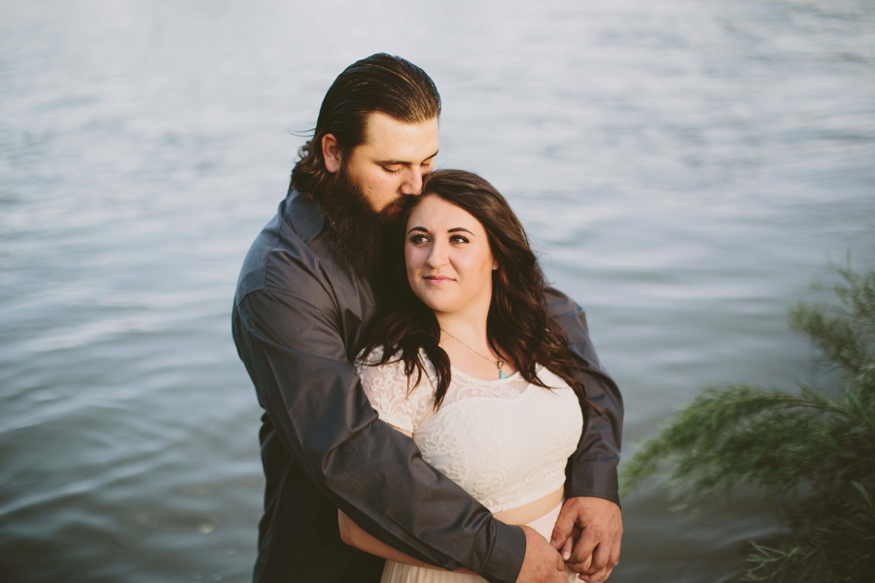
[{"x": 542, "y": 563}]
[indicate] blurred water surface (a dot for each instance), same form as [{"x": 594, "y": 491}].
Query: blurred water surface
[{"x": 685, "y": 168}]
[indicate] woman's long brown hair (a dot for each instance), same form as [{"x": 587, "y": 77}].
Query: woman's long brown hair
[{"x": 517, "y": 325}]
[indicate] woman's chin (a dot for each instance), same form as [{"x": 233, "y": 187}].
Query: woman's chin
[{"x": 438, "y": 304}]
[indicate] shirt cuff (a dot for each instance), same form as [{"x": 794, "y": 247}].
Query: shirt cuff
[
  {"x": 597, "y": 479},
  {"x": 506, "y": 561}
]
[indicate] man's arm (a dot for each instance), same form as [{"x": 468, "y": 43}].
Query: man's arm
[
  {"x": 592, "y": 469},
  {"x": 352, "y": 534},
  {"x": 296, "y": 358},
  {"x": 590, "y": 527}
]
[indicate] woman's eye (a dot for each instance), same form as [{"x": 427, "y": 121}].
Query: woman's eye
[
  {"x": 458, "y": 239},
  {"x": 417, "y": 239}
]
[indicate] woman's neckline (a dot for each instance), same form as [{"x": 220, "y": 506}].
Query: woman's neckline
[
  {"x": 457, "y": 371},
  {"x": 471, "y": 377}
]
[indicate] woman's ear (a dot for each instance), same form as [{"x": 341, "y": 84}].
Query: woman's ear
[
  {"x": 494, "y": 264},
  {"x": 331, "y": 153}
]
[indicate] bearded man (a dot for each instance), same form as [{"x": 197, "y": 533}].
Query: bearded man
[{"x": 304, "y": 304}]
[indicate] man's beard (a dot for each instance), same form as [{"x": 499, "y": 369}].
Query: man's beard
[{"x": 357, "y": 229}]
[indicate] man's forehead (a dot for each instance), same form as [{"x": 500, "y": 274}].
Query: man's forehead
[{"x": 384, "y": 132}]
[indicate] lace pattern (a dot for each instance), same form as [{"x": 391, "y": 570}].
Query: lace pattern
[{"x": 505, "y": 441}]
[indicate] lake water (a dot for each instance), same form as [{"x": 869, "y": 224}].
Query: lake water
[{"x": 686, "y": 168}]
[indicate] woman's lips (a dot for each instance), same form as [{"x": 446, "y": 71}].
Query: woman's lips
[{"x": 438, "y": 279}]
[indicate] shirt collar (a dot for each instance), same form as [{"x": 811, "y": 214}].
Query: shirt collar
[{"x": 305, "y": 214}]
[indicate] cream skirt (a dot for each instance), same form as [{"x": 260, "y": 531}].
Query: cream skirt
[{"x": 399, "y": 573}]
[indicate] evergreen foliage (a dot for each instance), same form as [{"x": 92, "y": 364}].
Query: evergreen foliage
[{"x": 813, "y": 454}]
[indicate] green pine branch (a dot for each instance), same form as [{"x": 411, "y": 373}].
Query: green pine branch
[{"x": 812, "y": 454}]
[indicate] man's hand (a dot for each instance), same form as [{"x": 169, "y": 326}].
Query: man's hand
[
  {"x": 542, "y": 563},
  {"x": 588, "y": 534}
]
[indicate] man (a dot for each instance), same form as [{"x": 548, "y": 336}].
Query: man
[{"x": 305, "y": 300}]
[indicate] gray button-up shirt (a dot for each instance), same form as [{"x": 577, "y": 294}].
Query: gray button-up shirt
[{"x": 300, "y": 317}]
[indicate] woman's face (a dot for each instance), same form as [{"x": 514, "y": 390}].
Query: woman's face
[{"x": 448, "y": 258}]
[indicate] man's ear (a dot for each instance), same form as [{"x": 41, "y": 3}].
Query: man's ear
[{"x": 331, "y": 153}]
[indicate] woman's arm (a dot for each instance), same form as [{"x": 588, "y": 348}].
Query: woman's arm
[{"x": 355, "y": 536}]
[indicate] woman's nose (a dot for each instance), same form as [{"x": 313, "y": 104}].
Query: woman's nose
[{"x": 437, "y": 256}]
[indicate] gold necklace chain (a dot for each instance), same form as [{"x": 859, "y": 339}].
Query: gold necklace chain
[{"x": 499, "y": 363}]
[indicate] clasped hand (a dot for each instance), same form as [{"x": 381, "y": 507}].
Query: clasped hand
[{"x": 587, "y": 537}]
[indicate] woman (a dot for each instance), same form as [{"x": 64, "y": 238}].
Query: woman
[{"x": 476, "y": 372}]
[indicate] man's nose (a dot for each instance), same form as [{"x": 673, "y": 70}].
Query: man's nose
[{"x": 413, "y": 181}]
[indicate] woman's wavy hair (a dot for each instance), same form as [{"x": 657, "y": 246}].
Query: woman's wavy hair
[
  {"x": 518, "y": 325},
  {"x": 381, "y": 82}
]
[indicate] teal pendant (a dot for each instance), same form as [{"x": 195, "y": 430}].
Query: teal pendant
[{"x": 501, "y": 374}]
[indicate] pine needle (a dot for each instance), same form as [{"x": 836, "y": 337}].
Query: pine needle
[{"x": 813, "y": 453}]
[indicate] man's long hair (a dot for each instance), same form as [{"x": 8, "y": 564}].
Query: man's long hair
[
  {"x": 517, "y": 324},
  {"x": 381, "y": 82}
]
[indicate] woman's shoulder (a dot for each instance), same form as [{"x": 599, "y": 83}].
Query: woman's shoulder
[
  {"x": 374, "y": 357},
  {"x": 400, "y": 399},
  {"x": 551, "y": 379},
  {"x": 386, "y": 364}
]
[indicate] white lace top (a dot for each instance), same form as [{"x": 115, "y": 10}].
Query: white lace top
[{"x": 505, "y": 441}]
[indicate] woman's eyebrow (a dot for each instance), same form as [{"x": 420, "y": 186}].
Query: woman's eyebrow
[{"x": 453, "y": 230}]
